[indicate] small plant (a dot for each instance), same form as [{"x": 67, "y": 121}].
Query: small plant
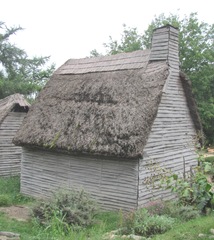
[{"x": 74, "y": 209}]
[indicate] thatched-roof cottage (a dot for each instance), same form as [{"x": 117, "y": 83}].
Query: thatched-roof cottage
[
  {"x": 105, "y": 123},
  {"x": 12, "y": 112}
]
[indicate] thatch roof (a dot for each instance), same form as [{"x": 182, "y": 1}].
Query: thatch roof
[
  {"x": 9, "y": 103},
  {"x": 97, "y": 106},
  {"x": 87, "y": 108}
]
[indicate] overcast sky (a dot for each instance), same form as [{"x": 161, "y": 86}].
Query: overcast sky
[{"x": 65, "y": 29}]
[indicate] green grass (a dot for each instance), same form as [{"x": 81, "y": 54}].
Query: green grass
[
  {"x": 11, "y": 225},
  {"x": 189, "y": 230},
  {"x": 10, "y": 192},
  {"x": 104, "y": 222},
  {"x": 10, "y": 185}
]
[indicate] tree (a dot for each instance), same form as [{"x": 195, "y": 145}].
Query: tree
[
  {"x": 130, "y": 41},
  {"x": 18, "y": 72},
  {"x": 196, "y": 43}
]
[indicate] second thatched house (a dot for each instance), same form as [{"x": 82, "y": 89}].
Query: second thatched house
[
  {"x": 106, "y": 124},
  {"x": 12, "y": 112}
]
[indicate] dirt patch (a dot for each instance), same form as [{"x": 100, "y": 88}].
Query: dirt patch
[{"x": 20, "y": 213}]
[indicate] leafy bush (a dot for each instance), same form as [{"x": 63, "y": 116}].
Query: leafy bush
[
  {"x": 195, "y": 190},
  {"x": 173, "y": 209},
  {"x": 72, "y": 209},
  {"x": 181, "y": 212},
  {"x": 187, "y": 213},
  {"x": 148, "y": 225},
  {"x": 143, "y": 223}
]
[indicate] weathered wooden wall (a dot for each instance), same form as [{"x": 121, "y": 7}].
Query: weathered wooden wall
[
  {"x": 113, "y": 183},
  {"x": 10, "y": 155},
  {"x": 171, "y": 143}
]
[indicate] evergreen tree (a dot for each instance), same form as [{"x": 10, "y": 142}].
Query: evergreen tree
[{"x": 18, "y": 72}]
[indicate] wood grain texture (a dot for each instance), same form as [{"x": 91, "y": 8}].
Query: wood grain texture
[
  {"x": 171, "y": 143},
  {"x": 113, "y": 182}
]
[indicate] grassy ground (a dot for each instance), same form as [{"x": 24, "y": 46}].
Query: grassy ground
[
  {"x": 105, "y": 222},
  {"x": 190, "y": 230},
  {"x": 23, "y": 228},
  {"x": 30, "y": 230},
  {"x": 10, "y": 192}
]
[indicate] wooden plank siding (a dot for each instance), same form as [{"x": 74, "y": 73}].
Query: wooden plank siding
[
  {"x": 10, "y": 155},
  {"x": 113, "y": 183},
  {"x": 171, "y": 141}
]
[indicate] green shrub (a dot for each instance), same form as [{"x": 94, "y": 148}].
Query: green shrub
[
  {"x": 144, "y": 224},
  {"x": 148, "y": 225},
  {"x": 195, "y": 190},
  {"x": 4, "y": 200},
  {"x": 173, "y": 209},
  {"x": 71, "y": 209},
  {"x": 181, "y": 212}
]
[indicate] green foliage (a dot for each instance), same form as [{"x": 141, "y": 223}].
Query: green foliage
[
  {"x": 173, "y": 209},
  {"x": 73, "y": 209},
  {"x": 195, "y": 190},
  {"x": 144, "y": 224},
  {"x": 196, "y": 47},
  {"x": 130, "y": 41},
  {"x": 153, "y": 225},
  {"x": 209, "y": 166},
  {"x": 185, "y": 213},
  {"x": 18, "y": 72},
  {"x": 188, "y": 231},
  {"x": 196, "y": 57}
]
